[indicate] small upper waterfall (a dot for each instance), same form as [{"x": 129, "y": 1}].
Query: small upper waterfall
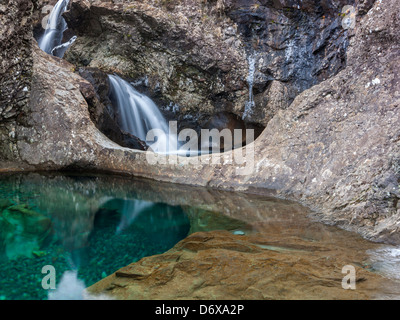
[
  {"x": 56, "y": 25},
  {"x": 250, "y": 80},
  {"x": 138, "y": 114}
]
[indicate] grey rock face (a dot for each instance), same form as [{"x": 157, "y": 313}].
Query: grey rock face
[
  {"x": 15, "y": 69},
  {"x": 195, "y": 53}
]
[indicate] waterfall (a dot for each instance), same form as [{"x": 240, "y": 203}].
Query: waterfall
[
  {"x": 138, "y": 114},
  {"x": 250, "y": 80},
  {"x": 60, "y": 50},
  {"x": 56, "y": 25}
]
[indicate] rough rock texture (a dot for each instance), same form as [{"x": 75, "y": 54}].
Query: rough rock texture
[
  {"x": 15, "y": 69},
  {"x": 274, "y": 99},
  {"x": 219, "y": 265},
  {"x": 56, "y": 123},
  {"x": 194, "y": 53},
  {"x": 335, "y": 148}
]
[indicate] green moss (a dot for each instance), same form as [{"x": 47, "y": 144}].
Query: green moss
[{"x": 5, "y": 203}]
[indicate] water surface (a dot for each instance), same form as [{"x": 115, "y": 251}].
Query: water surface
[
  {"x": 74, "y": 223},
  {"x": 98, "y": 224}
]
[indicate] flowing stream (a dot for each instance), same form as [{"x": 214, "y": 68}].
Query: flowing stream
[
  {"x": 51, "y": 41},
  {"x": 139, "y": 115}
]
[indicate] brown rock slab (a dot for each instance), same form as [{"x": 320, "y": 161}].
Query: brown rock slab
[{"x": 219, "y": 265}]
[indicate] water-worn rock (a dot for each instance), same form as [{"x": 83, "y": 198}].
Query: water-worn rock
[
  {"x": 15, "y": 69},
  {"x": 273, "y": 100},
  {"x": 335, "y": 148},
  {"x": 101, "y": 110},
  {"x": 222, "y": 121},
  {"x": 186, "y": 62},
  {"x": 219, "y": 265}
]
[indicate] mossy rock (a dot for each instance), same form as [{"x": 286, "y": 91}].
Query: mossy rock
[
  {"x": 5, "y": 203},
  {"x": 23, "y": 209},
  {"x": 27, "y": 220},
  {"x": 6, "y": 228}
]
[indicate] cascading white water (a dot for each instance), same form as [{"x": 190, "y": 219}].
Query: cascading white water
[
  {"x": 250, "y": 80},
  {"x": 138, "y": 114},
  {"x": 60, "y": 50},
  {"x": 56, "y": 25}
]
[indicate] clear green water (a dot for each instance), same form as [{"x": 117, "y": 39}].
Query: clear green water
[{"x": 93, "y": 225}]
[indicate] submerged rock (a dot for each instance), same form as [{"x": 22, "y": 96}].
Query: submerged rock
[
  {"x": 219, "y": 265},
  {"x": 5, "y": 203},
  {"x": 22, "y": 231},
  {"x": 31, "y": 221},
  {"x": 207, "y": 220}
]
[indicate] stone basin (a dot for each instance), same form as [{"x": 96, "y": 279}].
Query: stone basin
[{"x": 247, "y": 246}]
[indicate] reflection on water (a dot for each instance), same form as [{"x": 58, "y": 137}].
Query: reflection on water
[
  {"x": 130, "y": 211},
  {"x": 72, "y": 224},
  {"x": 96, "y": 225}
]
